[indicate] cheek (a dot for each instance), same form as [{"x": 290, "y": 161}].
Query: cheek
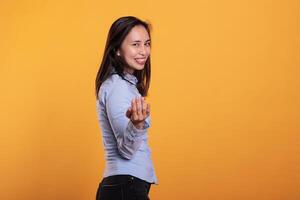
[
  {"x": 148, "y": 50},
  {"x": 130, "y": 53}
]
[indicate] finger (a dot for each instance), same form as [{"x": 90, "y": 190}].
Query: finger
[
  {"x": 144, "y": 111},
  {"x": 148, "y": 109},
  {"x": 133, "y": 105},
  {"x": 134, "y": 115},
  {"x": 128, "y": 113},
  {"x": 139, "y": 106}
]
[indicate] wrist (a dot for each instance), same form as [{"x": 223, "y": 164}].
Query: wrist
[{"x": 139, "y": 125}]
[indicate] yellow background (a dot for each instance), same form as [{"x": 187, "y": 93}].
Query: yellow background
[{"x": 224, "y": 98}]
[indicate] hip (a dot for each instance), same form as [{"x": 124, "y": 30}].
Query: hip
[{"x": 123, "y": 187}]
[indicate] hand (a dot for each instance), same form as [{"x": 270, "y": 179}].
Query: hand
[{"x": 138, "y": 111}]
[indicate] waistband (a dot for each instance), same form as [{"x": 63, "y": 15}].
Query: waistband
[{"x": 122, "y": 178}]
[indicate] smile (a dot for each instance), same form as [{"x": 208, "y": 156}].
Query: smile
[{"x": 141, "y": 61}]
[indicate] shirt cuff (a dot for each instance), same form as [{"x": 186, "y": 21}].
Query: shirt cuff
[{"x": 135, "y": 132}]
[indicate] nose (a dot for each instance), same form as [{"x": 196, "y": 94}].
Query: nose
[{"x": 142, "y": 50}]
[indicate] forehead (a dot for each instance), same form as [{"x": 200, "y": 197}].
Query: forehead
[{"x": 138, "y": 32}]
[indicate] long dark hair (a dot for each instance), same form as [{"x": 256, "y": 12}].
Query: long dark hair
[{"x": 117, "y": 33}]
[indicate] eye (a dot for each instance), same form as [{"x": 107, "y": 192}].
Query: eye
[
  {"x": 135, "y": 44},
  {"x": 148, "y": 44}
]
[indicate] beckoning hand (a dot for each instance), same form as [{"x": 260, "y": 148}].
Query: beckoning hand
[{"x": 138, "y": 111}]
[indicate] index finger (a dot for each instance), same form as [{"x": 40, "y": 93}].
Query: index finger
[{"x": 133, "y": 104}]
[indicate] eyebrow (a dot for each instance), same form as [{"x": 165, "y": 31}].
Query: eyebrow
[{"x": 140, "y": 40}]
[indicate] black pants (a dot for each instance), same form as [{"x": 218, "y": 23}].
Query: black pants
[{"x": 123, "y": 187}]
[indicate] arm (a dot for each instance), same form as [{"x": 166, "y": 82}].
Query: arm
[{"x": 128, "y": 137}]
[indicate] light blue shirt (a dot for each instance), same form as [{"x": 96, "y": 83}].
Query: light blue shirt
[{"x": 126, "y": 147}]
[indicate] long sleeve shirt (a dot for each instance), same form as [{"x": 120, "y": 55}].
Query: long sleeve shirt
[{"x": 126, "y": 147}]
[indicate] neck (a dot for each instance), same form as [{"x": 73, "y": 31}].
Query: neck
[{"x": 129, "y": 71}]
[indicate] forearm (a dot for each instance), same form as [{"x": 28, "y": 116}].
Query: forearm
[
  {"x": 131, "y": 139},
  {"x": 139, "y": 125}
]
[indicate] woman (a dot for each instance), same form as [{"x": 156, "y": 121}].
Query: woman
[{"x": 122, "y": 84}]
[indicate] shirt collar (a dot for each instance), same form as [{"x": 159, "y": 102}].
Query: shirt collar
[{"x": 129, "y": 77}]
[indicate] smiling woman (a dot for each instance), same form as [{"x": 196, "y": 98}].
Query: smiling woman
[
  {"x": 122, "y": 84},
  {"x": 135, "y": 49}
]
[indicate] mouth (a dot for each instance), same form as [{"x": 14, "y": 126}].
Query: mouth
[{"x": 140, "y": 61}]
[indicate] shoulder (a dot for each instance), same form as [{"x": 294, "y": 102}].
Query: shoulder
[{"x": 114, "y": 85}]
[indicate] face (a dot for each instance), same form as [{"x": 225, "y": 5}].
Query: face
[{"x": 135, "y": 49}]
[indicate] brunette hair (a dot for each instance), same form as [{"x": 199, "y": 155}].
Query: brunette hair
[{"x": 117, "y": 33}]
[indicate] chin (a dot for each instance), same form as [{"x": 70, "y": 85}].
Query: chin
[{"x": 139, "y": 67}]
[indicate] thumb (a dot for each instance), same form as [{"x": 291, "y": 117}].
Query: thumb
[{"x": 128, "y": 112}]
